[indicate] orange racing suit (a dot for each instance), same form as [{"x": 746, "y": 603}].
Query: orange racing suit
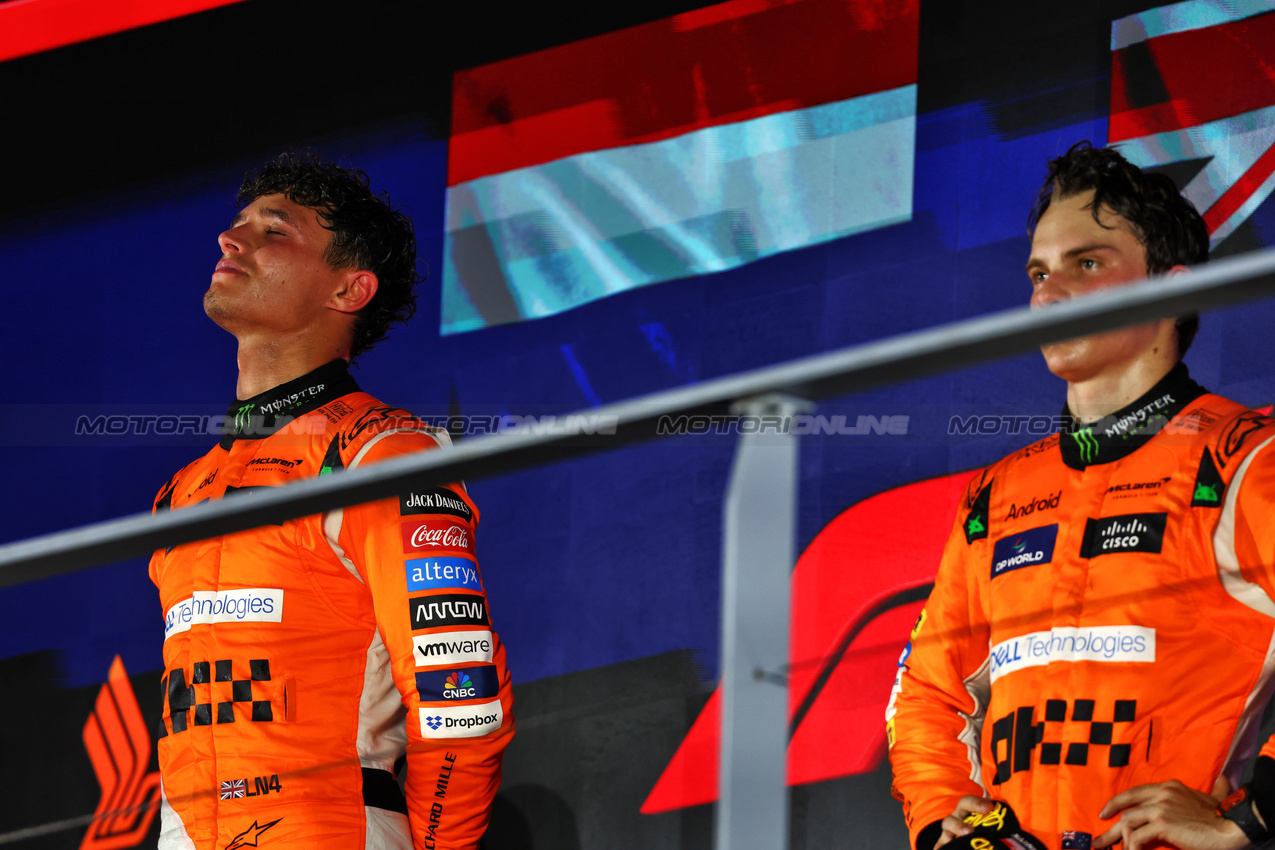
[
  {"x": 1102, "y": 618},
  {"x": 303, "y": 660}
]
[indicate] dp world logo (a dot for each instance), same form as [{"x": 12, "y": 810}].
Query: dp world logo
[{"x": 434, "y": 722}]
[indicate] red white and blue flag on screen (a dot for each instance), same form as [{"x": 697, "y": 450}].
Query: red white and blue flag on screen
[
  {"x": 232, "y": 789},
  {"x": 689, "y": 145},
  {"x": 1191, "y": 84}
]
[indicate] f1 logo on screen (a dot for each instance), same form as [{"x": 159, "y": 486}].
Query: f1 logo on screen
[{"x": 844, "y": 644}]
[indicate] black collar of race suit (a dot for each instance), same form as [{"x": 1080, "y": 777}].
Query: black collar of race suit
[
  {"x": 1119, "y": 434},
  {"x": 264, "y": 414}
]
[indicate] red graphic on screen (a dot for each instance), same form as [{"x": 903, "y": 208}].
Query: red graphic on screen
[
  {"x": 32, "y": 26},
  {"x": 728, "y": 63},
  {"x": 1170, "y": 105},
  {"x": 120, "y": 748},
  {"x": 856, "y": 591}
]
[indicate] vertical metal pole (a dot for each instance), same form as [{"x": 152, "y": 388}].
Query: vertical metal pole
[{"x": 757, "y": 561}]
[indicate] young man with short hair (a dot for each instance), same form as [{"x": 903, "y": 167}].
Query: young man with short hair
[
  {"x": 303, "y": 661},
  {"x": 1101, "y": 663}
]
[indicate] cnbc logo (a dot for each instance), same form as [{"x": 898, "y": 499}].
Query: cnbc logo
[
  {"x": 457, "y": 683},
  {"x": 459, "y": 686}
]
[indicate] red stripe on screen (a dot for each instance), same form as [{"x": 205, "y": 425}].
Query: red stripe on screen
[
  {"x": 1209, "y": 74},
  {"x": 33, "y": 26},
  {"x": 674, "y": 76},
  {"x": 1235, "y": 197}
]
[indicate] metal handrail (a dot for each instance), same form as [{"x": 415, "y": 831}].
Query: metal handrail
[{"x": 894, "y": 359}]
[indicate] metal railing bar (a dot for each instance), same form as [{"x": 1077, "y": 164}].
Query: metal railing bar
[{"x": 860, "y": 367}]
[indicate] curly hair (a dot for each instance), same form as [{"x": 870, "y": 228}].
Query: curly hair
[
  {"x": 1170, "y": 229},
  {"x": 367, "y": 234}
]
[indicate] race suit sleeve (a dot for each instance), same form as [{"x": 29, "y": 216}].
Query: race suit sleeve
[
  {"x": 416, "y": 555},
  {"x": 1245, "y": 540},
  {"x": 935, "y": 716}
]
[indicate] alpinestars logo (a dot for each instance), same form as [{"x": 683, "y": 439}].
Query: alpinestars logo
[
  {"x": 249, "y": 837},
  {"x": 120, "y": 747}
]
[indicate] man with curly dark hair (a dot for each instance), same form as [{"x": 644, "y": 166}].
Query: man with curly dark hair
[
  {"x": 1096, "y": 652},
  {"x": 307, "y": 663}
]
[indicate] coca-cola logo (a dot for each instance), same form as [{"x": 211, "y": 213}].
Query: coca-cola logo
[{"x": 436, "y": 536}]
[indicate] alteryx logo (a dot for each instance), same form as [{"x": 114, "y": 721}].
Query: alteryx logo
[
  {"x": 1026, "y": 549},
  {"x": 431, "y": 573}
]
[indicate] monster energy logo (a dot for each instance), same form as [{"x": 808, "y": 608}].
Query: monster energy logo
[
  {"x": 1087, "y": 443},
  {"x": 1205, "y": 493},
  {"x": 243, "y": 417},
  {"x": 975, "y": 525}
]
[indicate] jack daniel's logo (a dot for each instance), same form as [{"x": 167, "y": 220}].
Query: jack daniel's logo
[{"x": 438, "y": 500}]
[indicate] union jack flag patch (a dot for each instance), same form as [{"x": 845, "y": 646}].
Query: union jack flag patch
[{"x": 233, "y": 788}]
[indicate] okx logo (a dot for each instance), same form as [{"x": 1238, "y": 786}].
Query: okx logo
[{"x": 120, "y": 748}]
